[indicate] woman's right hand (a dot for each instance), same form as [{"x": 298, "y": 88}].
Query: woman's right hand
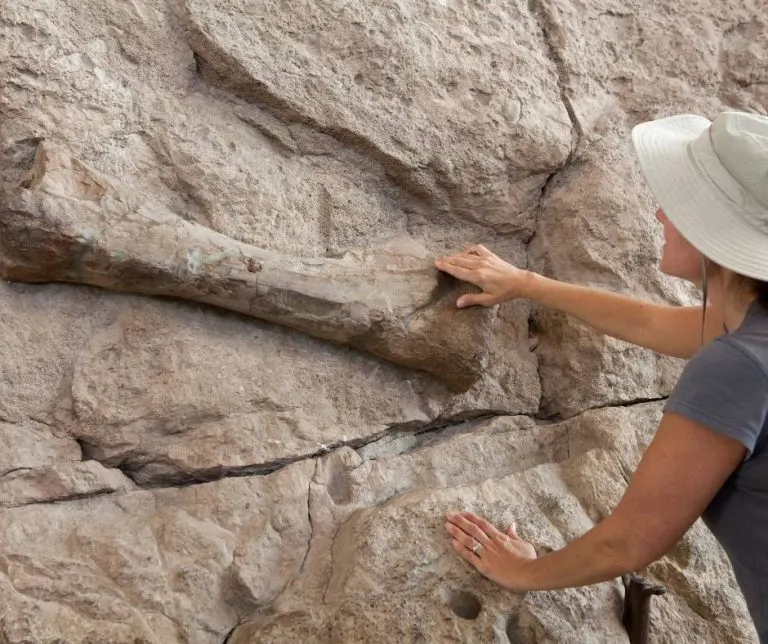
[{"x": 477, "y": 265}]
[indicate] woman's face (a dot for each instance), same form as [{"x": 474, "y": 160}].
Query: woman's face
[{"x": 678, "y": 258}]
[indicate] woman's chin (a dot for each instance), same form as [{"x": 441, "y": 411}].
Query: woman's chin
[
  {"x": 682, "y": 275},
  {"x": 673, "y": 271},
  {"x": 664, "y": 268}
]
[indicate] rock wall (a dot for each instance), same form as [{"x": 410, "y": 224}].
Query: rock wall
[{"x": 174, "y": 472}]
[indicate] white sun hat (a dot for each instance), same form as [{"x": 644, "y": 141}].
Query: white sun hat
[{"x": 711, "y": 180}]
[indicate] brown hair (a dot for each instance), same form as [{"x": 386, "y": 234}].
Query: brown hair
[
  {"x": 741, "y": 283},
  {"x": 748, "y": 284}
]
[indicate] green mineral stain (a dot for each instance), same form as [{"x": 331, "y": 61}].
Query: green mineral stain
[
  {"x": 215, "y": 258},
  {"x": 197, "y": 259},
  {"x": 89, "y": 234}
]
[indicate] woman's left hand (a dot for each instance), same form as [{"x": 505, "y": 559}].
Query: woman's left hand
[{"x": 502, "y": 557}]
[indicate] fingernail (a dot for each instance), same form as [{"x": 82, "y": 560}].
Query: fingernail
[{"x": 460, "y": 303}]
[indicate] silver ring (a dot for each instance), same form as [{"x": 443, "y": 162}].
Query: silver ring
[{"x": 476, "y": 548}]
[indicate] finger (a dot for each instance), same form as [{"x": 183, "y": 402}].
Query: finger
[
  {"x": 464, "y": 260},
  {"x": 465, "y": 553},
  {"x": 457, "y": 271},
  {"x": 475, "y": 299},
  {"x": 479, "y": 250},
  {"x": 467, "y": 543},
  {"x": 485, "y": 526},
  {"x": 512, "y": 531},
  {"x": 460, "y": 535},
  {"x": 472, "y": 529}
]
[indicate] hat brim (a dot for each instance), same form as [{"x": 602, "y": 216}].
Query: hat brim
[{"x": 696, "y": 207}]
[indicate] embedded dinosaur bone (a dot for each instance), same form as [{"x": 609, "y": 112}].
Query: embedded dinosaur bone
[
  {"x": 68, "y": 223},
  {"x": 636, "y": 615}
]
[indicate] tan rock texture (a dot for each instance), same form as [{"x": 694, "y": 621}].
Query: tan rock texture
[
  {"x": 68, "y": 223},
  {"x": 176, "y": 467}
]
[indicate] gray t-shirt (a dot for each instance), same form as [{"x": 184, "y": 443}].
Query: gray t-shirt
[{"x": 725, "y": 387}]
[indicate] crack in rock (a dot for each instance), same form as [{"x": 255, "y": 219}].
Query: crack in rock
[
  {"x": 554, "y": 418},
  {"x": 393, "y": 441},
  {"x": 548, "y": 26},
  {"x": 311, "y": 525}
]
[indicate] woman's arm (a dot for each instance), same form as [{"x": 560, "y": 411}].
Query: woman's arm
[
  {"x": 680, "y": 473},
  {"x": 671, "y": 330}
]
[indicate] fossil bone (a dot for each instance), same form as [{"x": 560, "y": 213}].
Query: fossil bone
[{"x": 69, "y": 223}]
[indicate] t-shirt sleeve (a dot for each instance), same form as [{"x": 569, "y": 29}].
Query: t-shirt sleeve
[{"x": 723, "y": 388}]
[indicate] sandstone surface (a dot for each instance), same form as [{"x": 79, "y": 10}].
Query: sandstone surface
[{"x": 172, "y": 471}]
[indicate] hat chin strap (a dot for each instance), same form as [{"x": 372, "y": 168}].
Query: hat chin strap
[
  {"x": 704, "y": 281},
  {"x": 704, "y": 296}
]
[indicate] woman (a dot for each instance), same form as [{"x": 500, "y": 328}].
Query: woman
[{"x": 709, "y": 456}]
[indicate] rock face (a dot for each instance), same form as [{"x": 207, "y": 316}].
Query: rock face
[
  {"x": 162, "y": 566},
  {"x": 464, "y": 113},
  {"x": 350, "y": 549},
  {"x": 173, "y": 471}
]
